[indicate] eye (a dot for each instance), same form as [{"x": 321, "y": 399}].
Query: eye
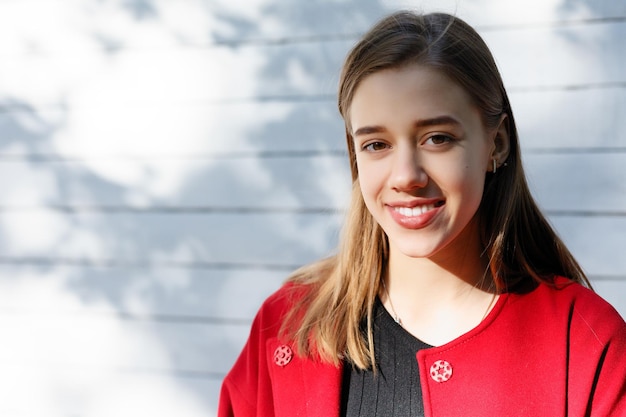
[
  {"x": 439, "y": 139},
  {"x": 374, "y": 146}
]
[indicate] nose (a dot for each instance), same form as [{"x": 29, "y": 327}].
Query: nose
[{"x": 407, "y": 173}]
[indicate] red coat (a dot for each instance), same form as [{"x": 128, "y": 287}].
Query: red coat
[{"x": 551, "y": 352}]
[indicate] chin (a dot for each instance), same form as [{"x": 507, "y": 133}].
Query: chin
[{"x": 415, "y": 251}]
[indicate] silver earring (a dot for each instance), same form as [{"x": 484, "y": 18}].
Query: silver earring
[{"x": 495, "y": 166}]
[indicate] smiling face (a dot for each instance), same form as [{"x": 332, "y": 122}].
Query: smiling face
[{"x": 422, "y": 153}]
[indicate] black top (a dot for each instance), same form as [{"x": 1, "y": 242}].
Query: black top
[{"x": 395, "y": 390}]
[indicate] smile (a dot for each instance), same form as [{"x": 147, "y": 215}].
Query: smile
[
  {"x": 416, "y": 217},
  {"x": 415, "y": 211}
]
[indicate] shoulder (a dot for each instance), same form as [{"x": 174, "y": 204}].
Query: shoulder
[
  {"x": 297, "y": 291},
  {"x": 279, "y": 304},
  {"x": 584, "y": 310},
  {"x": 595, "y": 315}
]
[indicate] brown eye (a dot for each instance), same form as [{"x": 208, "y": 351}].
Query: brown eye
[
  {"x": 375, "y": 146},
  {"x": 439, "y": 139}
]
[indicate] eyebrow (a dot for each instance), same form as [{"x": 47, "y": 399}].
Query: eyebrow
[{"x": 435, "y": 121}]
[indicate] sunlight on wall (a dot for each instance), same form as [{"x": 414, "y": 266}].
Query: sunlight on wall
[
  {"x": 62, "y": 357},
  {"x": 158, "y": 101}
]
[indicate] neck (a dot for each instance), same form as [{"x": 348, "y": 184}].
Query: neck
[
  {"x": 424, "y": 281},
  {"x": 439, "y": 298},
  {"x": 442, "y": 276}
]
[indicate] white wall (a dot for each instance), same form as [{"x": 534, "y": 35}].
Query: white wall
[{"x": 165, "y": 164}]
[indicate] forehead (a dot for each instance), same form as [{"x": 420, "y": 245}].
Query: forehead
[{"x": 412, "y": 92}]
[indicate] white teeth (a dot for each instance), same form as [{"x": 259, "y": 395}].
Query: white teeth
[{"x": 415, "y": 211}]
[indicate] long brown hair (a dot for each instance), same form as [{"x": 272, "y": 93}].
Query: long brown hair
[{"x": 521, "y": 245}]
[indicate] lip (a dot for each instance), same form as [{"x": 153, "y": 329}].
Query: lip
[{"x": 418, "y": 221}]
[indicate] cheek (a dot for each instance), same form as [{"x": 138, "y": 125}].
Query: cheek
[
  {"x": 370, "y": 186},
  {"x": 462, "y": 181},
  {"x": 472, "y": 184},
  {"x": 367, "y": 186},
  {"x": 368, "y": 177}
]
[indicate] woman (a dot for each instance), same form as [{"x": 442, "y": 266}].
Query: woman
[{"x": 450, "y": 294}]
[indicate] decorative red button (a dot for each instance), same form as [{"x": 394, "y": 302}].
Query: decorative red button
[
  {"x": 441, "y": 371},
  {"x": 283, "y": 355}
]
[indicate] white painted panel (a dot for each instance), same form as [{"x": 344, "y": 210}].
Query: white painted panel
[
  {"x": 562, "y": 56},
  {"x": 154, "y": 130},
  {"x": 196, "y": 23},
  {"x": 579, "y": 182},
  {"x": 272, "y": 238},
  {"x": 118, "y": 395},
  {"x": 145, "y": 347},
  {"x": 316, "y": 181},
  {"x": 544, "y": 58},
  {"x": 142, "y": 293},
  {"x": 571, "y": 119},
  {"x": 90, "y": 367},
  {"x": 549, "y": 119},
  {"x": 597, "y": 242},
  {"x": 185, "y": 76},
  {"x": 489, "y": 14},
  {"x": 72, "y": 334}
]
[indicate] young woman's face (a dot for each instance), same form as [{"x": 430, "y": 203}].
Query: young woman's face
[{"x": 422, "y": 154}]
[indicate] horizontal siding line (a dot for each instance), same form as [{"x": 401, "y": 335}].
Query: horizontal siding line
[
  {"x": 155, "y": 372},
  {"x": 110, "y": 209},
  {"x": 604, "y": 278},
  {"x": 567, "y": 87},
  {"x": 355, "y": 36},
  {"x": 40, "y": 261},
  {"x": 177, "y": 373},
  {"x": 134, "y": 317},
  {"x": 552, "y": 24},
  {"x": 204, "y": 210},
  {"x": 276, "y": 41},
  {"x": 585, "y": 213},
  {"x": 280, "y": 154},
  {"x": 49, "y": 157},
  {"x": 11, "y": 261},
  {"x": 129, "y": 371},
  {"x": 181, "y": 319},
  {"x": 575, "y": 150},
  {"x": 342, "y": 37},
  {"x": 17, "y": 107}
]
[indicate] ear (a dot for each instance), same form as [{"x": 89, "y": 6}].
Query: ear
[{"x": 501, "y": 144}]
